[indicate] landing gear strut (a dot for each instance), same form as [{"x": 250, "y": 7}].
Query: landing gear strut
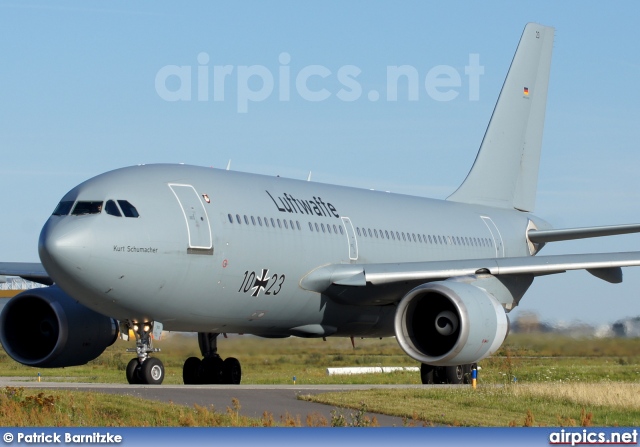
[
  {"x": 211, "y": 369},
  {"x": 446, "y": 374},
  {"x": 144, "y": 369}
]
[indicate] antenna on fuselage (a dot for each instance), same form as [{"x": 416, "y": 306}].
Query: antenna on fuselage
[
  {"x": 229, "y": 165},
  {"x": 309, "y": 177}
]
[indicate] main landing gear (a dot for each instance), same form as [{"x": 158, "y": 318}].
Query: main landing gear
[
  {"x": 144, "y": 369},
  {"x": 458, "y": 374},
  {"x": 211, "y": 369}
]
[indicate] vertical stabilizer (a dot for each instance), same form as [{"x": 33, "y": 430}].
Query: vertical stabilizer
[{"x": 505, "y": 173}]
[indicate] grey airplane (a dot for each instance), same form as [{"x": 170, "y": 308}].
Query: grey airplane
[{"x": 182, "y": 248}]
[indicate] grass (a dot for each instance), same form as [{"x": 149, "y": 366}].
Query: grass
[
  {"x": 532, "y": 380},
  {"x": 525, "y": 358},
  {"x": 538, "y": 404},
  {"x": 24, "y": 408}
]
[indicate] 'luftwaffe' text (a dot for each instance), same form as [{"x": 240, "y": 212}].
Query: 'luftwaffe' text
[{"x": 314, "y": 206}]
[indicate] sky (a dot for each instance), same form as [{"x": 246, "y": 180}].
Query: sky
[{"x": 285, "y": 88}]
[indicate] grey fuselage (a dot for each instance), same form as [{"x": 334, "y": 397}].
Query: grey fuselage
[{"x": 223, "y": 251}]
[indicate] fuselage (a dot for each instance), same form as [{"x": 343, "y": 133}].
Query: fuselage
[{"x": 208, "y": 250}]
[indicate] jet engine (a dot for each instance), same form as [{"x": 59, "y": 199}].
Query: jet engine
[
  {"x": 447, "y": 323},
  {"x": 47, "y": 328}
]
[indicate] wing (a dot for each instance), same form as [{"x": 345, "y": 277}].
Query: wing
[
  {"x": 32, "y": 271},
  {"x": 380, "y": 284}
]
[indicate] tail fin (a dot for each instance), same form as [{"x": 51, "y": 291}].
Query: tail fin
[{"x": 505, "y": 172}]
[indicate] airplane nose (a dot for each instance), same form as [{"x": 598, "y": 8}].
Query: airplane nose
[{"x": 64, "y": 246}]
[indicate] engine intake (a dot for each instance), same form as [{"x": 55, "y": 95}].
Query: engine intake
[
  {"x": 447, "y": 323},
  {"x": 47, "y": 328}
]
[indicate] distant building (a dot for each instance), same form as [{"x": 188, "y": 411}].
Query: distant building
[
  {"x": 628, "y": 328},
  {"x": 11, "y": 286}
]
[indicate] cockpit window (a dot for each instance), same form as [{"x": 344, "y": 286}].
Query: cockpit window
[
  {"x": 87, "y": 208},
  {"x": 63, "y": 208},
  {"x": 112, "y": 209},
  {"x": 127, "y": 209}
]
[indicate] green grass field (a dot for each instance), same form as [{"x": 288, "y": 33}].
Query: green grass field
[{"x": 532, "y": 380}]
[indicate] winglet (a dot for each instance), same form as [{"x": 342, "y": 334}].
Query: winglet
[{"x": 505, "y": 172}]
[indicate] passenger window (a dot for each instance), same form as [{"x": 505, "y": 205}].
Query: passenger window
[
  {"x": 273, "y": 223},
  {"x": 285, "y": 224},
  {"x": 317, "y": 228},
  {"x": 323, "y": 229},
  {"x": 259, "y": 221},
  {"x": 298, "y": 225},
  {"x": 341, "y": 230},
  {"x": 112, "y": 209},
  {"x": 229, "y": 215},
  {"x": 253, "y": 221},
  {"x": 238, "y": 218},
  {"x": 82, "y": 208},
  {"x": 246, "y": 219},
  {"x": 266, "y": 222},
  {"x": 127, "y": 209},
  {"x": 358, "y": 231},
  {"x": 279, "y": 224},
  {"x": 63, "y": 208}
]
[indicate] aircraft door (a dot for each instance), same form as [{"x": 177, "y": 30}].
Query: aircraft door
[
  {"x": 197, "y": 220},
  {"x": 351, "y": 238},
  {"x": 495, "y": 234}
]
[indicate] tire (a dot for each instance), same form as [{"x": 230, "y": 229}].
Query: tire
[
  {"x": 231, "y": 371},
  {"x": 212, "y": 370},
  {"x": 192, "y": 371},
  {"x": 427, "y": 374},
  {"x": 454, "y": 374},
  {"x": 152, "y": 371},
  {"x": 132, "y": 372}
]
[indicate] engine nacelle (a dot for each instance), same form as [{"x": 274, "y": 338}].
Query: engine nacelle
[
  {"x": 47, "y": 328},
  {"x": 448, "y": 323}
]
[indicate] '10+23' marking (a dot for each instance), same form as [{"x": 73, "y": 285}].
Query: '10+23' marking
[{"x": 271, "y": 285}]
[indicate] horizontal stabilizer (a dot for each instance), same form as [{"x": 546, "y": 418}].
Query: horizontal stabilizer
[{"x": 568, "y": 234}]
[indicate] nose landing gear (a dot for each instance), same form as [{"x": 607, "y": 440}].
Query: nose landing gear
[{"x": 144, "y": 369}]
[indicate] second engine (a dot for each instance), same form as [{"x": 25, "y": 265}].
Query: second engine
[
  {"x": 448, "y": 323},
  {"x": 47, "y": 328}
]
